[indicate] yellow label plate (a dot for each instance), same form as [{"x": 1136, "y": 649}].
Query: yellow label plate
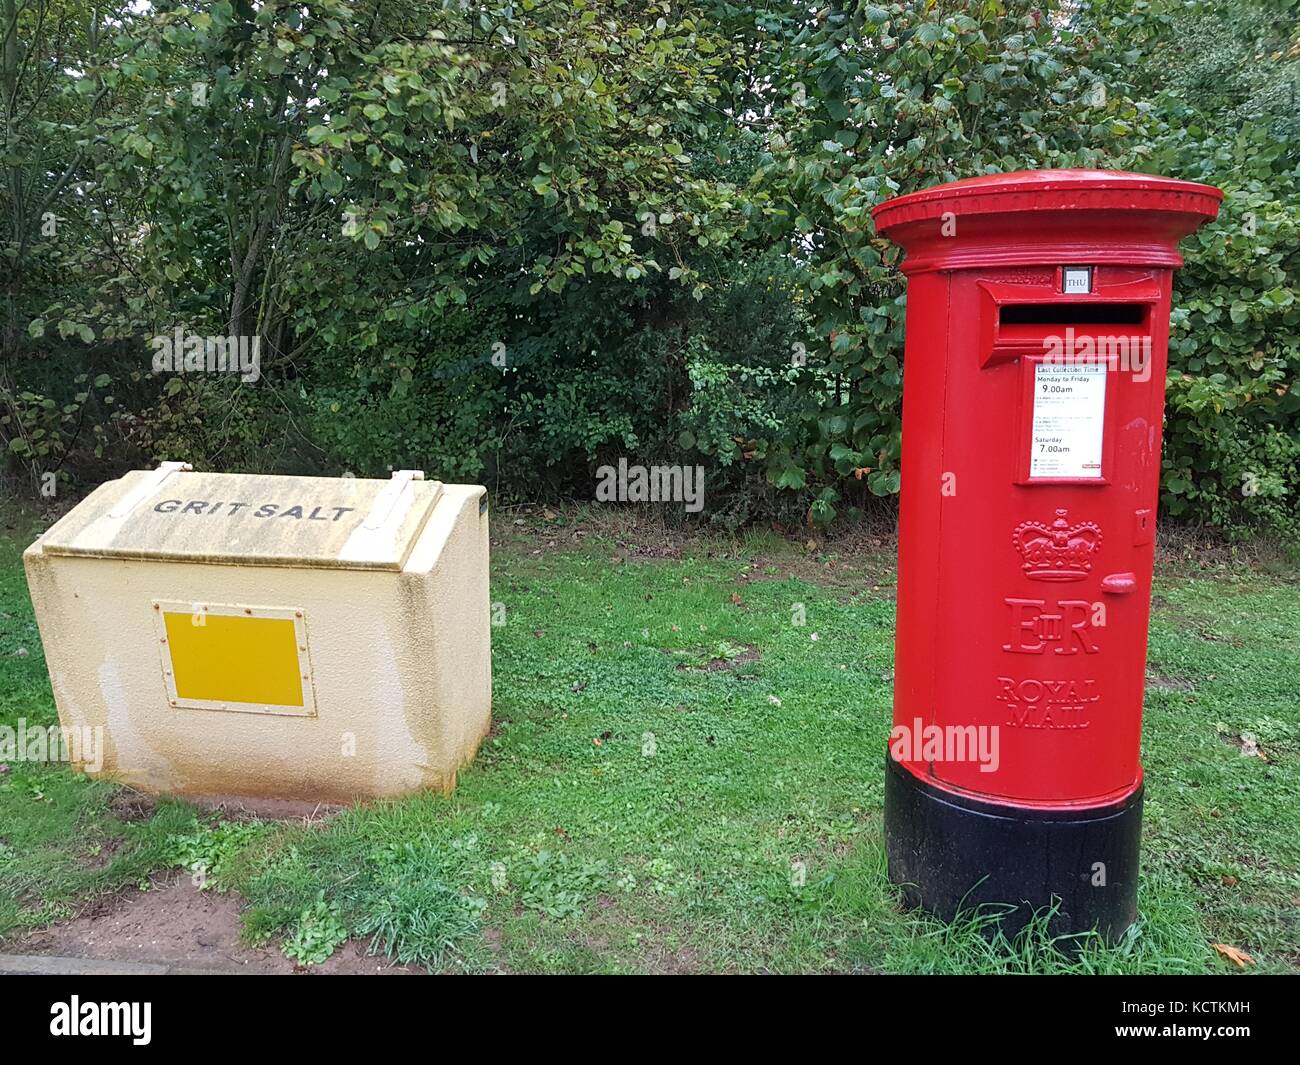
[{"x": 219, "y": 656}]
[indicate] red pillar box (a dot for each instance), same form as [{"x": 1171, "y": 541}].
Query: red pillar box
[{"x": 1037, "y": 332}]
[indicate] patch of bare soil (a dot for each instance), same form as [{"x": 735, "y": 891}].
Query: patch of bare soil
[
  {"x": 1157, "y": 679},
  {"x": 130, "y": 805},
  {"x": 608, "y": 927},
  {"x": 720, "y": 663},
  {"x": 845, "y": 556},
  {"x": 527, "y": 529},
  {"x": 1198, "y": 552},
  {"x": 857, "y": 561},
  {"x": 173, "y": 923},
  {"x": 241, "y": 808},
  {"x": 1200, "y": 626},
  {"x": 868, "y": 569}
]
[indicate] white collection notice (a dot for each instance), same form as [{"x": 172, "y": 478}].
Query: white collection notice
[{"x": 1069, "y": 419}]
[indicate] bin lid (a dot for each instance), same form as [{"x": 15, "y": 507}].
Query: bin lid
[{"x": 175, "y": 515}]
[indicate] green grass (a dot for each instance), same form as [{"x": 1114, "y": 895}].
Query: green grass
[
  {"x": 678, "y": 781},
  {"x": 62, "y": 841}
]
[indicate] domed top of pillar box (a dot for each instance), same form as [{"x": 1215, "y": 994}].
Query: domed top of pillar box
[{"x": 1047, "y": 216}]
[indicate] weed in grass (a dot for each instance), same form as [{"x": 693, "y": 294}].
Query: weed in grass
[
  {"x": 411, "y": 904},
  {"x": 422, "y": 922},
  {"x": 411, "y": 898},
  {"x": 317, "y": 934},
  {"x": 208, "y": 851},
  {"x": 553, "y": 885}
]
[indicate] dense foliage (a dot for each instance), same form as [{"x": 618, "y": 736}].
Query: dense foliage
[{"x": 506, "y": 242}]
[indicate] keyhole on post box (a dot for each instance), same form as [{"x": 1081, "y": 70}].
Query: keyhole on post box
[{"x": 1143, "y": 526}]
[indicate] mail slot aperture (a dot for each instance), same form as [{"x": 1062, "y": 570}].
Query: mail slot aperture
[{"x": 1071, "y": 314}]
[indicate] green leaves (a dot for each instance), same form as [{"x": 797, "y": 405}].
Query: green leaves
[
  {"x": 351, "y": 184},
  {"x": 788, "y": 475},
  {"x": 953, "y": 96}
]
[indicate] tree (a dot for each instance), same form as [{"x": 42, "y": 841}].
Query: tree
[{"x": 883, "y": 100}]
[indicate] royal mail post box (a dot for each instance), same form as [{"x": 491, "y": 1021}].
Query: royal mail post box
[
  {"x": 310, "y": 638},
  {"x": 1034, "y": 370}
]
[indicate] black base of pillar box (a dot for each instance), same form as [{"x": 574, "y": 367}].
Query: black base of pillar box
[{"x": 952, "y": 854}]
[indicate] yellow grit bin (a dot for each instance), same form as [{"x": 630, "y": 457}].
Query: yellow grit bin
[{"x": 309, "y": 638}]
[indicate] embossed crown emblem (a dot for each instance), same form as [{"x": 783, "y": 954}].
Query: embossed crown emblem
[{"x": 1057, "y": 552}]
